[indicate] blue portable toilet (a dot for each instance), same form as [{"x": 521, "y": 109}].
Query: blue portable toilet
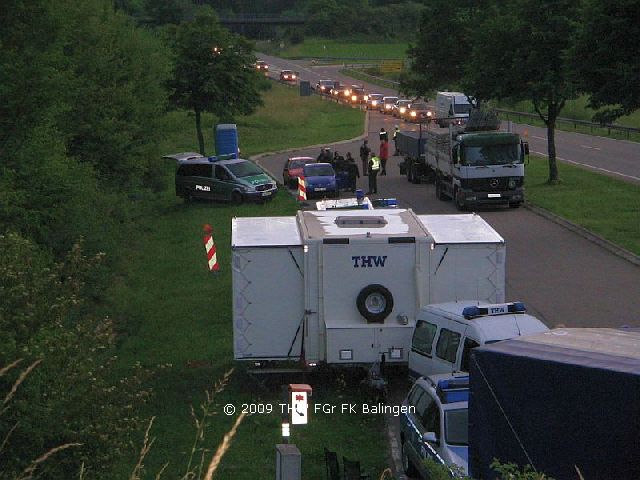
[{"x": 226, "y": 139}]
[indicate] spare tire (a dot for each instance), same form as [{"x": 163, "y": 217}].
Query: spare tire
[{"x": 375, "y": 303}]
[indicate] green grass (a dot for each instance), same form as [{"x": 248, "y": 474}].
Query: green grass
[
  {"x": 603, "y": 205},
  {"x": 324, "y": 48},
  {"x": 172, "y": 312}
]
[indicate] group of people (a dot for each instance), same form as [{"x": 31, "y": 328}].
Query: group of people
[{"x": 372, "y": 164}]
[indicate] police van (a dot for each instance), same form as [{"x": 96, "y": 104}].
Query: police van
[
  {"x": 225, "y": 178},
  {"x": 434, "y": 425},
  {"x": 446, "y": 333}
]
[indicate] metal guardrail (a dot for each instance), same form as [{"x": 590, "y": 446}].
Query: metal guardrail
[{"x": 575, "y": 123}]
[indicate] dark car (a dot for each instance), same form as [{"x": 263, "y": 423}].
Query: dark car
[
  {"x": 288, "y": 76},
  {"x": 374, "y": 100},
  {"x": 358, "y": 95},
  {"x": 387, "y": 104},
  {"x": 324, "y": 86},
  {"x": 320, "y": 180},
  {"x": 262, "y": 66},
  {"x": 401, "y": 107},
  {"x": 293, "y": 168},
  {"x": 418, "y": 112}
]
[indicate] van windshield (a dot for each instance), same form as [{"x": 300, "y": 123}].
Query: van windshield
[
  {"x": 461, "y": 108},
  {"x": 244, "y": 169},
  {"x": 491, "y": 155},
  {"x": 456, "y": 424}
]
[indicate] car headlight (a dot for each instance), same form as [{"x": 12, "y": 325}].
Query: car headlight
[
  {"x": 354, "y": 97},
  {"x": 402, "y": 109},
  {"x": 366, "y": 97},
  {"x": 413, "y": 114},
  {"x": 293, "y": 76},
  {"x": 374, "y": 103}
]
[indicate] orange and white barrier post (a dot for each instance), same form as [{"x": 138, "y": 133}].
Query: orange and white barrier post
[
  {"x": 302, "y": 189},
  {"x": 210, "y": 247}
]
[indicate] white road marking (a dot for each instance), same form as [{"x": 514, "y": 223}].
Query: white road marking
[
  {"x": 539, "y": 138},
  {"x": 591, "y": 167},
  {"x": 589, "y": 146}
]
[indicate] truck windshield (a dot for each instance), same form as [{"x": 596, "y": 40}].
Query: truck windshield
[
  {"x": 490, "y": 155},
  {"x": 244, "y": 169},
  {"x": 456, "y": 424}
]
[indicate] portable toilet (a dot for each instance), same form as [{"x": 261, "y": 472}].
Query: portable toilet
[
  {"x": 305, "y": 88},
  {"x": 226, "y": 136}
]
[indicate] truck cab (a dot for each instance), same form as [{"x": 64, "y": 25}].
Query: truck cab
[{"x": 446, "y": 333}]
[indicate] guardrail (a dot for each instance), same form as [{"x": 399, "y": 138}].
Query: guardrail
[{"x": 575, "y": 123}]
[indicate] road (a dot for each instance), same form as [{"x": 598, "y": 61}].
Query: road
[
  {"x": 618, "y": 158},
  {"x": 560, "y": 276}
]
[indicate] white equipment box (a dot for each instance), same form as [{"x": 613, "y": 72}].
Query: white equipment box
[{"x": 344, "y": 286}]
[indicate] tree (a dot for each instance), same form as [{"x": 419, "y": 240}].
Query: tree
[
  {"x": 442, "y": 47},
  {"x": 605, "y": 57},
  {"x": 519, "y": 51},
  {"x": 213, "y": 71}
]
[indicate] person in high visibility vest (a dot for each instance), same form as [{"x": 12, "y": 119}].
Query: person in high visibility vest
[
  {"x": 383, "y": 134},
  {"x": 395, "y": 139},
  {"x": 374, "y": 168}
]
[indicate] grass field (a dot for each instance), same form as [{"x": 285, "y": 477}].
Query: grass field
[
  {"x": 321, "y": 48},
  {"x": 604, "y": 205},
  {"x": 173, "y": 313}
]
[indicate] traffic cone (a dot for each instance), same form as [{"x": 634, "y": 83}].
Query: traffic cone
[
  {"x": 302, "y": 189},
  {"x": 210, "y": 247}
]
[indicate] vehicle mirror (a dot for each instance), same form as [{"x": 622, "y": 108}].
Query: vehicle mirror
[{"x": 430, "y": 437}]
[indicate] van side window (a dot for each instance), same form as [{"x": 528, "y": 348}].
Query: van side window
[
  {"x": 431, "y": 419},
  {"x": 447, "y": 346},
  {"x": 201, "y": 170},
  {"x": 469, "y": 344},
  {"x": 424, "y": 402},
  {"x": 221, "y": 173},
  {"x": 423, "y": 337}
]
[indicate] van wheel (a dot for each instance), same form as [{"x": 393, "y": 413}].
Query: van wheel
[
  {"x": 375, "y": 303},
  {"x": 407, "y": 466},
  {"x": 236, "y": 198}
]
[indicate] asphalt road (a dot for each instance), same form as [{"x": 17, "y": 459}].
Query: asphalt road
[
  {"x": 617, "y": 158},
  {"x": 561, "y": 277}
]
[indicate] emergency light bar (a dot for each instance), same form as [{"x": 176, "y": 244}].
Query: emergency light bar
[
  {"x": 496, "y": 309},
  {"x": 453, "y": 390},
  {"x": 226, "y": 156}
]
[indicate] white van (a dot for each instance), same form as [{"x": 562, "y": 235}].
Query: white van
[
  {"x": 445, "y": 333},
  {"x": 452, "y": 107}
]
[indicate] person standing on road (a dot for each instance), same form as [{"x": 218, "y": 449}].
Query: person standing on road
[
  {"x": 364, "y": 156},
  {"x": 395, "y": 139},
  {"x": 384, "y": 156},
  {"x": 383, "y": 135},
  {"x": 374, "y": 168},
  {"x": 352, "y": 171}
]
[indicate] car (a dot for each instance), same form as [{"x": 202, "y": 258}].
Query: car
[
  {"x": 358, "y": 95},
  {"x": 323, "y": 87},
  {"x": 400, "y": 107},
  {"x": 340, "y": 92},
  {"x": 387, "y": 104},
  {"x": 293, "y": 168},
  {"x": 262, "y": 66},
  {"x": 418, "y": 112},
  {"x": 223, "y": 178},
  {"x": 288, "y": 76},
  {"x": 434, "y": 424},
  {"x": 320, "y": 179},
  {"x": 374, "y": 100}
]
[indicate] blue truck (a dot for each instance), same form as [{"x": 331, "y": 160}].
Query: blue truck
[{"x": 560, "y": 401}]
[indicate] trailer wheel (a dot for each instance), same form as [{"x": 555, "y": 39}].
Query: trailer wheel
[{"x": 375, "y": 303}]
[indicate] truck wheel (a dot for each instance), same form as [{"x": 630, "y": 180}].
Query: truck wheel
[
  {"x": 375, "y": 303},
  {"x": 407, "y": 466},
  {"x": 236, "y": 198},
  {"x": 460, "y": 205},
  {"x": 439, "y": 193},
  {"x": 415, "y": 178}
]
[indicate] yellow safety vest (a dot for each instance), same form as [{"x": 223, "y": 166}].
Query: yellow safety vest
[{"x": 375, "y": 163}]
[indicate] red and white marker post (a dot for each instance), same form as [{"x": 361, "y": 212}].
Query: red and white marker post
[
  {"x": 302, "y": 189},
  {"x": 210, "y": 247}
]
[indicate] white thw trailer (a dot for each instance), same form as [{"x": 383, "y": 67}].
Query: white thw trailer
[{"x": 344, "y": 287}]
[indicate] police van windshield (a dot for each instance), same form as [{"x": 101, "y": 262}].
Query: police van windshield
[
  {"x": 491, "y": 155},
  {"x": 244, "y": 169},
  {"x": 456, "y": 424}
]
